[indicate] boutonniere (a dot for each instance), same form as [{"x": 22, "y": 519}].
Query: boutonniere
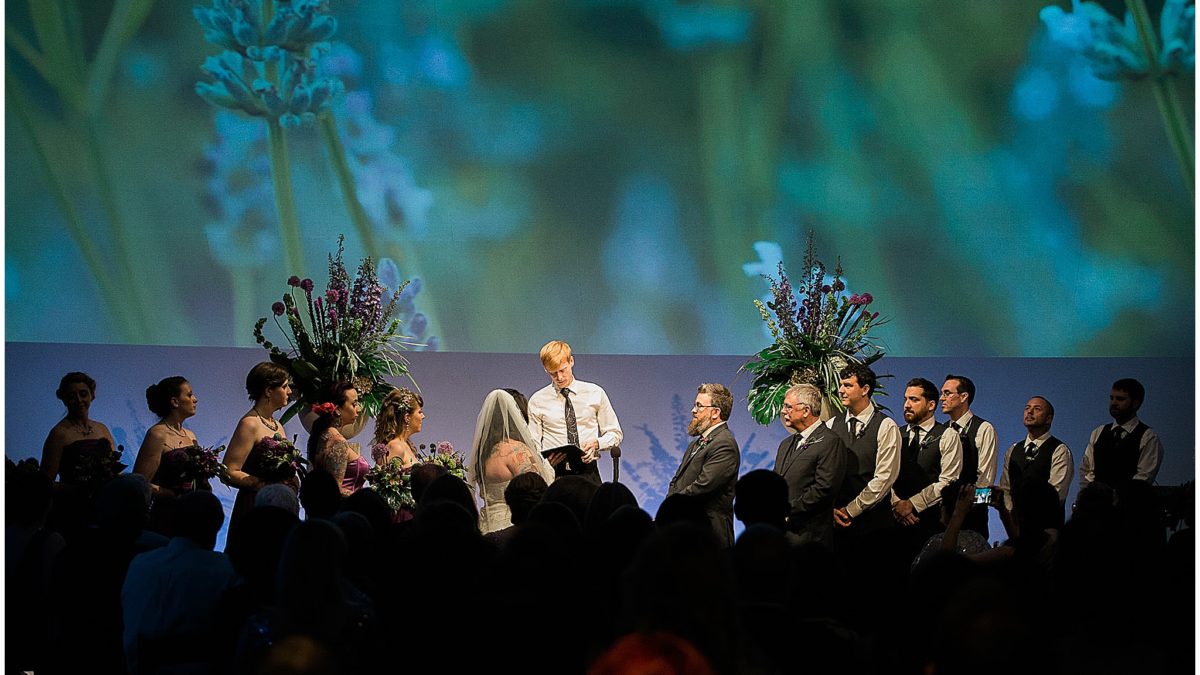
[{"x": 703, "y": 442}]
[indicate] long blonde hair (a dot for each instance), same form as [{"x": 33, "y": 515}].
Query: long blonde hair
[{"x": 394, "y": 412}]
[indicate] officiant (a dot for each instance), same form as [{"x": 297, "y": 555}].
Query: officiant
[{"x": 571, "y": 412}]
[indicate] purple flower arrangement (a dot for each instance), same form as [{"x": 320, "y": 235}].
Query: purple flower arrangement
[
  {"x": 813, "y": 338},
  {"x": 393, "y": 482},
  {"x": 346, "y": 333},
  {"x": 443, "y": 453},
  {"x": 191, "y": 466},
  {"x": 277, "y": 460}
]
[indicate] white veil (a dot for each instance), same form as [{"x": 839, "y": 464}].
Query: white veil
[{"x": 499, "y": 419}]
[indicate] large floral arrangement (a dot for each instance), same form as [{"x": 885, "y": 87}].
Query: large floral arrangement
[
  {"x": 393, "y": 482},
  {"x": 191, "y": 466},
  {"x": 277, "y": 460},
  {"x": 814, "y": 339},
  {"x": 443, "y": 453},
  {"x": 347, "y": 333}
]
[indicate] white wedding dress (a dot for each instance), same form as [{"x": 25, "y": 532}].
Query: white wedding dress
[{"x": 500, "y": 451}]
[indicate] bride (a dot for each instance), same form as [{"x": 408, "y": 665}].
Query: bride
[{"x": 502, "y": 449}]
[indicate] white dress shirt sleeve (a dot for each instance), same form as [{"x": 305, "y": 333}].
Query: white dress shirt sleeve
[
  {"x": 985, "y": 441},
  {"x": 1150, "y": 458},
  {"x": 951, "y": 463},
  {"x": 1062, "y": 466},
  {"x": 1087, "y": 465},
  {"x": 609, "y": 427},
  {"x": 887, "y": 468}
]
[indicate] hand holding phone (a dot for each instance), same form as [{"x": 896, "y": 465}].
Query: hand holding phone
[{"x": 983, "y": 495}]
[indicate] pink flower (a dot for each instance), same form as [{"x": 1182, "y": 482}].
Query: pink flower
[
  {"x": 331, "y": 295},
  {"x": 293, "y": 281},
  {"x": 307, "y": 285},
  {"x": 866, "y": 298}
]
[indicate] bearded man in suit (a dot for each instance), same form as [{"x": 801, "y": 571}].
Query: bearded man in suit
[
  {"x": 709, "y": 467},
  {"x": 813, "y": 461}
]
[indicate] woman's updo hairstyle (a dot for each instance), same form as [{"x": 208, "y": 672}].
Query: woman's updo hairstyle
[
  {"x": 158, "y": 396},
  {"x": 264, "y": 376},
  {"x": 74, "y": 378},
  {"x": 394, "y": 412}
]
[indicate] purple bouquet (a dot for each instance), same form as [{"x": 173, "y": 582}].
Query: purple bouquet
[
  {"x": 277, "y": 460},
  {"x": 190, "y": 467}
]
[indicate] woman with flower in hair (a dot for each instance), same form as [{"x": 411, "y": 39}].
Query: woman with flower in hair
[
  {"x": 400, "y": 418},
  {"x": 328, "y": 449},
  {"x": 268, "y": 385}
]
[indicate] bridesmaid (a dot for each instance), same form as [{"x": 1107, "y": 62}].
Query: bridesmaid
[
  {"x": 71, "y": 447},
  {"x": 173, "y": 401},
  {"x": 400, "y": 418},
  {"x": 328, "y": 449},
  {"x": 77, "y": 435},
  {"x": 268, "y": 386}
]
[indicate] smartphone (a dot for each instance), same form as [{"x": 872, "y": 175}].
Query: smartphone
[{"x": 983, "y": 495}]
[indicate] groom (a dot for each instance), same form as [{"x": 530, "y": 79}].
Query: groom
[
  {"x": 709, "y": 467},
  {"x": 571, "y": 412}
]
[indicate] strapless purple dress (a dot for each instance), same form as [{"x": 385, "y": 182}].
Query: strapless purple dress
[{"x": 356, "y": 474}]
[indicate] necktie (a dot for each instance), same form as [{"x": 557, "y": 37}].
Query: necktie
[
  {"x": 957, "y": 429},
  {"x": 1119, "y": 433},
  {"x": 1031, "y": 451},
  {"x": 569, "y": 414},
  {"x": 854, "y": 427}
]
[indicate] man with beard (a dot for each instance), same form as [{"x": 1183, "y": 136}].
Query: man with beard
[
  {"x": 930, "y": 459},
  {"x": 1040, "y": 457},
  {"x": 1126, "y": 450},
  {"x": 709, "y": 467}
]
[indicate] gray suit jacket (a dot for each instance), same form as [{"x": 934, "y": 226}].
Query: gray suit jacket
[
  {"x": 710, "y": 473},
  {"x": 814, "y": 472}
]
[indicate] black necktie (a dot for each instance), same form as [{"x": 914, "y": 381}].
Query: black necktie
[
  {"x": 957, "y": 429},
  {"x": 915, "y": 442},
  {"x": 569, "y": 413},
  {"x": 1031, "y": 451},
  {"x": 854, "y": 427},
  {"x": 1119, "y": 433}
]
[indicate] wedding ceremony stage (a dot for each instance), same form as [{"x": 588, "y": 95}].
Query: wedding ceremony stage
[{"x": 651, "y": 395}]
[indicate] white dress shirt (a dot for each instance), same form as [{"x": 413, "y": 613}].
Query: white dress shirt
[
  {"x": 887, "y": 461},
  {"x": 950, "y": 448},
  {"x": 985, "y": 442},
  {"x": 1149, "y": 456},
  {"x": 1061, "y": 468},
  {"x": 594, "y": 416}
]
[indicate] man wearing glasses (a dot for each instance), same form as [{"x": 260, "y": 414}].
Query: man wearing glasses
[
  {"x": 709, "y": 467},
  {"x": 813, "y": 461},
  {"x": 978, "y": 438}
]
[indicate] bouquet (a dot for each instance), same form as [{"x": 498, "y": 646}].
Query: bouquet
[
  {"x": 278, "y": 460},
  {"x": 191, "y": 466},
  {"x": 95, "y": 467},
  {"x": 443, "y": 453},
  {"x": 347, "y": 333},
  {"x": 393, "y": 482},
  {"x": 814, "y": 340}
]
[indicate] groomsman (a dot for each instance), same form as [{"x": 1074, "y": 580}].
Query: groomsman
[
  {"x": 1039, "y": 457},
  {"x": 1125, "y": 450},
  {"x": 709, "y": 467},
  {"x": 571, "y": 411},
  {"x": 978, "y": 438},
  {"x": 930, "y": 458},
  {"x": 874, "y": 458},
  {"x": 813, "y": 461}
]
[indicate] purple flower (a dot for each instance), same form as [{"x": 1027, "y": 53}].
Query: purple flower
[
  {"x": 278, "y": 308},
  {"x": 333, "y": 314},
  {"x": 866, "y": 298},
  {"x": 293, "y": 281},
  {"x": 331, "y": 295},
  {"x": 855, "y": 299},
  {"x": 307, "y": 285},
  {"x": 838, "y": 286},
  {"x": 826, "y": 288}
]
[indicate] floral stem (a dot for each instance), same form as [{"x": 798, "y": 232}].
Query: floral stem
[
  {"x": 242, "y": 278},
  {"x": 87, "y": 247},
  {"x": 345, "y": 178},
  {"x": 1166, "y": 95},
  {"x": 285, "y": 202},
  {"x": 124, "y": 252}
]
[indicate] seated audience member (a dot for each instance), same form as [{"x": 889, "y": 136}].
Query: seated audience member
[
  {"x": 521, "y": 494},
  {"x": 761, "y": 497},
  {"x": 170, "y": 595},
  {"x": 280, "y": 496},
  {"x": 970, "y": 541},
  {"x": 320, "y": 495}
]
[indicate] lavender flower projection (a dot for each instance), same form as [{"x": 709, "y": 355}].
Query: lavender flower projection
[{"x": 1132, "y": 50}]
